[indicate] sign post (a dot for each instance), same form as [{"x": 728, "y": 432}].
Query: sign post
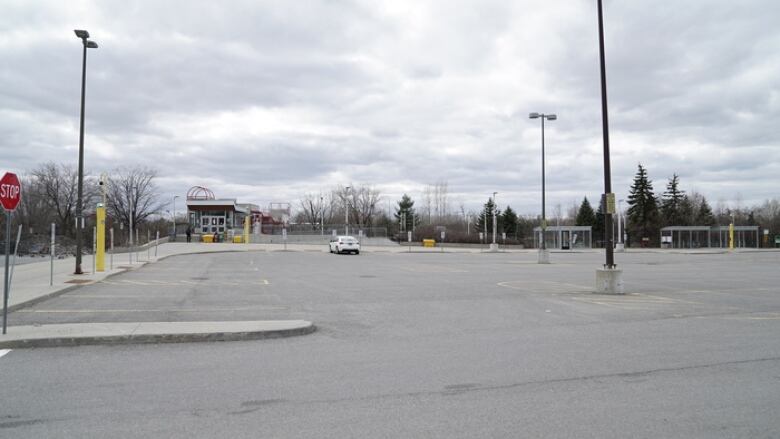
[
  {"x": 10, "y": 195},
  {"x": 52, "y": 249}
]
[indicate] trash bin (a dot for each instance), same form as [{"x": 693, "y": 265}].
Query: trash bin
[
  {"x": 207, "y": 238},
  {"x": 429, "y": 243},
  {"x": 238, "y": 239}
]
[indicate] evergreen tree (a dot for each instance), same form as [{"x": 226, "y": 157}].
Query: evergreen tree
[
  {"x": 687, "y": 212},
  {"x": 486, "y": 218},
  {"x": 704, "y": 216},
  {"x": 406, "y": 206},
  {"x": 642, "y": 214},
  {"x": 672, "y": 203},
  {"x": 509, "y": 221},
  {"x": 585, "y": 215}
]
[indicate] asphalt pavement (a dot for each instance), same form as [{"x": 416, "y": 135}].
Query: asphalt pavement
[{"x": 416, "y": 345}]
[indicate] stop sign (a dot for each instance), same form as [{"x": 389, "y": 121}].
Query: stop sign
[{"x": 10, "y": 191}]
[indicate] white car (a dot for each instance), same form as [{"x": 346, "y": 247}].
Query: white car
[{"x": 344, "y": 244}]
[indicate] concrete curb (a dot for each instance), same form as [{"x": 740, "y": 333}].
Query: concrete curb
[{"x": 71, "y": 337}]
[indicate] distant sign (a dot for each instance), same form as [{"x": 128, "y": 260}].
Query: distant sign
[
  {"x": 442, "y": 235},
  {"x": 10, "y": 191},
  {"x": 284, "y": 234},
  {"x": 409, "y": 236}
]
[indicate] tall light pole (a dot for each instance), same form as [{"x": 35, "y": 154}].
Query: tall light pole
[
  {"x": 174, "y": 216},
  {"x": 609, "y": 280},
  {"x": 620, "y": 245},
  {"x": 346, "y": 210},
  {"x": 322, "y": 217},
  {"x": 79, "y": 200},
  {"x": 544, "y": 254},
  {"x": 493, "y": 246}
]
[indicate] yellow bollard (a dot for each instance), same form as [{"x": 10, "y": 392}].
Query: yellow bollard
[
  {"x": 100, "y": 252},
  {"x": 731, "y": 236}
]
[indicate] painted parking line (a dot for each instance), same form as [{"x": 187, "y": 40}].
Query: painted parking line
[
  {"x": 4, "y": 351},
  {"x": 748, "y": 316},
  {"x": 152, "y": 282},
  {"x": 432, "y": 269},
  {"x": 550, "y": 287},
  {"x": 635, "y": 301}
]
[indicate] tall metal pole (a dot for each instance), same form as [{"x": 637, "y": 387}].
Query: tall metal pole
[
  {"x": 620, "y": 221},
  {"x": 346, "y": 211},
  {"x": 495, "y": 221},
  {"x": 610, "y": 255},
  {"x": 174, "y": 216},
  {"x": 544, "y": 216},
  {"x": 79, "y": 199},
  {"x": 7, "y": 251},
  {"x": 52, "y": 250}
]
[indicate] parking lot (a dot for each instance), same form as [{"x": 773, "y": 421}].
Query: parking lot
[
  {"x": 436, "y": 287},
  {"x": 423, "y": 345}
]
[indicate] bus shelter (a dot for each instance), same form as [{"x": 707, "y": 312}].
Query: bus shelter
[
  {"x": 686, "y": 237},
  {"x": 564, "y": 237},
  {"x": 708, "y": 237},
  {"x": 744, "y": 236}
]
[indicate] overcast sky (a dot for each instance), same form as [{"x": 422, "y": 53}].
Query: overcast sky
[{"x": 266, "y": 100}]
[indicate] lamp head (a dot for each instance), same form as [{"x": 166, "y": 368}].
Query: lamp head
[
  {"x": 533, "y": 116},
  {"x": 91, "y": 45},
  {"x": 551, "y": 117},
  {"x": 81, "y": 34}
]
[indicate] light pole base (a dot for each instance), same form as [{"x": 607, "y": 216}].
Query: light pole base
[
  {"x": 544, "y": 256},
  {"x": 609, "y": 281},
  {"x": 493, "y": 248},
  {"x": 620, "y": 247}
]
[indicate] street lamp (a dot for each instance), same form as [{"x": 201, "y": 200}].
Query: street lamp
[
  {"x": 346, "y": 210},
  {"x": 322, "y": 217},
  {"x": 174, "y": 216},
  {"x": 79, "y": 204},
  {"x": 544, "y": 254},
  {"x": 621, "y": 224},
  {"x": 493, "y": 246},
  {"x": 609, "y": 280}
]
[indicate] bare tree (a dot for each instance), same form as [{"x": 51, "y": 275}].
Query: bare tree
[
  {"x": 33, "y": 211},
  {"x": 131, "y": 191},
  {"x": 57, "y": 185},
  {"x": 426, "y": 209},
  {"x": 364, "y": 204},
  {"x": 314, "y": 209}
]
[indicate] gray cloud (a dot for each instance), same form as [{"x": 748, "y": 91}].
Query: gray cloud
[{"x": 265, "y": 101}]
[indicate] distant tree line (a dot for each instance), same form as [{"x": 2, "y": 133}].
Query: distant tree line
[
  {"x": 50, "y": 196},
  {"x": 645, "y": 213}
]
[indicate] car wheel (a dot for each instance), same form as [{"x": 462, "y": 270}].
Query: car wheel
[{"x": 357, "y": 252}]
